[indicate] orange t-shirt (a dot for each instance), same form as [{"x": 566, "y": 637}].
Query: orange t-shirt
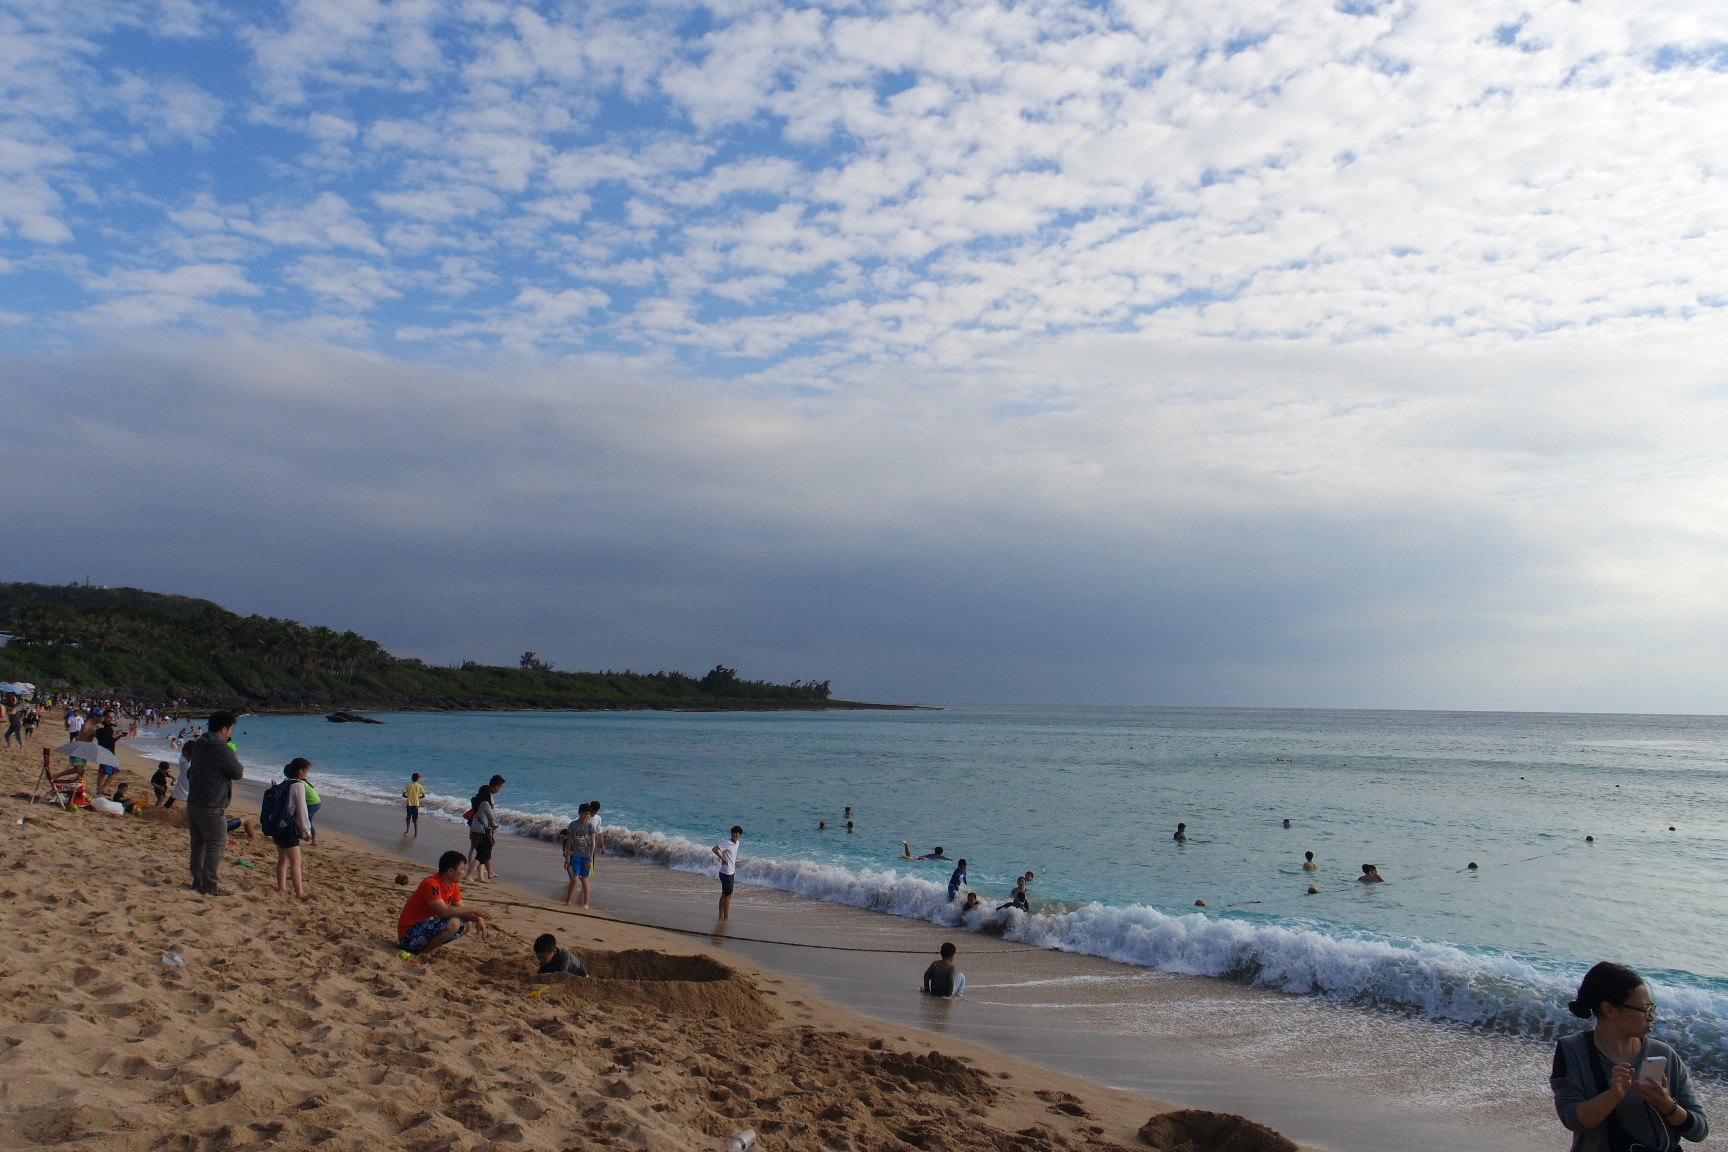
[{"x": 419, "y": 906}]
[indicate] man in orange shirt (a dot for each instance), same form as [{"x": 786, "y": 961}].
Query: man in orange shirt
[{"x": 434, "y": 914}]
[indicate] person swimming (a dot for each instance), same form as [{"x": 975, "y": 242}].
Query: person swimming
[
  {"x": 1308, "y": 864},
  {"x": 906, "y": 853},
  {"x": 1371, "y": 875},
  {"x": 1181, "y": 832}
]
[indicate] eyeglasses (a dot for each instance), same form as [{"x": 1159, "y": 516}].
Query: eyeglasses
[{"x": 1648, "y": 1011}]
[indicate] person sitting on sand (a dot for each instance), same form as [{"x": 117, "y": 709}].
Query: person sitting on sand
[
  {"x": 942, "y": 978},
  {"x": 555, "y": 959},
  {"x": 434, "y": 914},
  {"x": 956, "y": 880},
  {"x": 238, "y": 824},
  {"x": 1371, "y": 875},
  {"x": 1017, "y": 898},
  {"x": 162, "y": 781},
  {"x": 119, "y": 797},
  {"x": 1308, "y": 864}
]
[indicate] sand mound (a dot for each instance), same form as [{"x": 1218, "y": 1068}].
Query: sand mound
[
  {"x": 173, "y": 817},
  {"x": 1196, "y": 1130},
  {"x": 643, "y": 964},
  {"x": 676, "y": 985}
]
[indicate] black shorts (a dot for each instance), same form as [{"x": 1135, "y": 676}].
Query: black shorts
[
  {"x": 483, "y": 850},
  {"x": 725, "y": 884}
]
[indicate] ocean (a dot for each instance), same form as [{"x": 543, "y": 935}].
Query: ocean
[{"x": 1089, "y": 797}]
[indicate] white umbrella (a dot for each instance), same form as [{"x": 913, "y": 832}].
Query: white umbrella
[{"x": 89, "y": 750}]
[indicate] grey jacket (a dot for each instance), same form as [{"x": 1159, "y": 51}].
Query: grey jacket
[
  {"x": 212, "y": 768},
  {"x": 1573, "y": 1084}
]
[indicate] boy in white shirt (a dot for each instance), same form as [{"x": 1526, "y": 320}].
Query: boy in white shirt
[{"x": 727, "y": 854}]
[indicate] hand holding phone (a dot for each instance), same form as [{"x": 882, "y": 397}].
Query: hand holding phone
[{"x": 1652, "y": 1070}]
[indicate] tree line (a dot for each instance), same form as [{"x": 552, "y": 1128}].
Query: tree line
[{"x": 152, "y": 645}]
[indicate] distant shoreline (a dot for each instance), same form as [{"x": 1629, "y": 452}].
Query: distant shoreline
[{"x": 253, "y": 709}]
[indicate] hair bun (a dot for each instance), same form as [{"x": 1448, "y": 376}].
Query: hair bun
[{"x": 1579, "y": 1009}]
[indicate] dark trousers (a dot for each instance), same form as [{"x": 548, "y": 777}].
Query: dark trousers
[{"x": 208, "y": 828}]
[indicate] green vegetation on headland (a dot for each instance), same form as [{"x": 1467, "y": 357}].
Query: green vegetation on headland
[{"x": 128, "y": 642}]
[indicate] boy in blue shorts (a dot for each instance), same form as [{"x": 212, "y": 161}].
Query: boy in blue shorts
[{"x": 579, "y": 841}]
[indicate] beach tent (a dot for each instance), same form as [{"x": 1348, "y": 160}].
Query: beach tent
[{"x": 19, "y": 689}]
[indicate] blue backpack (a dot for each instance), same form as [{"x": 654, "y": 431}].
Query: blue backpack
[{"x": 273, "y": 814}]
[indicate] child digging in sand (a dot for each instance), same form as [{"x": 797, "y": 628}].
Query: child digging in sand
[
  {"x": 434, "y": 914},
  {"x": 555, "y": 959}
]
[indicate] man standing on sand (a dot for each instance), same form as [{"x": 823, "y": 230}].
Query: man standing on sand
[
  {"x": 727, "y": 854},
  {"x": 212, "y": 768},
  {"x": 414, "y": 793}
]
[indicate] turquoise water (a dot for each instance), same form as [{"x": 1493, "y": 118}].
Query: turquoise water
[{"x": 1088, "y": 798}]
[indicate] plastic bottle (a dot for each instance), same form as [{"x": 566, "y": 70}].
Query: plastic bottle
[
  {"x": 743, "y": 1140},
  {"x": 173, "y": 960}
]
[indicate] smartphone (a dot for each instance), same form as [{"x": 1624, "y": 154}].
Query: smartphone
[{"x": 1653, "y": 1068}]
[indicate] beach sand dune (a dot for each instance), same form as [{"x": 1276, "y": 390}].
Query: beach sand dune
[{"x": 135, "y": 1014}]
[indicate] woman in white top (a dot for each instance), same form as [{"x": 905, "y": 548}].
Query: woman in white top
[{"x": 297, "y": 826}]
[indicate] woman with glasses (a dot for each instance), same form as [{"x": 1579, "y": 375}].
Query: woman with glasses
[{"x": 1608, "y": 1089}]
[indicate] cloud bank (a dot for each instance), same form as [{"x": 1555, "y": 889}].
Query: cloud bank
[{"x": 1131, "y": 352}]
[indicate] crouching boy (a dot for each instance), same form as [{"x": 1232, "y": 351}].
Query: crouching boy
[{"x": 435, "y": 914}]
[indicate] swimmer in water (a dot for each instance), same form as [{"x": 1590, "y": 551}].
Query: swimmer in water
[
  {"x": 1308, "y": 864},
  {"x": 1286, "y": 821},
  {"x": 1371, "y": 875},
  {"x": 1017, "y": 898},
  {"x": 906, "y": 853},
  {"x": 1181, "y": 832},
  {"x": 821, "y": 825},
  {"x": 848, "y": 825},
  {"x": 972, "y": 902}
]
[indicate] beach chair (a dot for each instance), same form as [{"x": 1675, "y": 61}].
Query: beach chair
[{"x": 65, "y": 789}]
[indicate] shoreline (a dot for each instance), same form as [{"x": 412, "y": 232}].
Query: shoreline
[
  {"x": 1201, "y": 1041},
  {"x": 286, "y": 1024}
]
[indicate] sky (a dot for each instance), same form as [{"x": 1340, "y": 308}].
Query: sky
[{"x": 1237, "y": 352}]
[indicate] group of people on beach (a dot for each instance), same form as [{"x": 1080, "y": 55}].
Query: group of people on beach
[{"x": 1615, "y": 1087}]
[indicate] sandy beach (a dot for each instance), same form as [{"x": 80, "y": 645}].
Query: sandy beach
[{"x": 141, "y": 1015}]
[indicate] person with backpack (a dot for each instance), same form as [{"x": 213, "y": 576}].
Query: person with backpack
[
  {"x": 285, "y": 819},
  {"x": 483, "y": 831}
]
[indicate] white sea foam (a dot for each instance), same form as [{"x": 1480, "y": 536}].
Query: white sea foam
[{"x": 1492, "y": 991}]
